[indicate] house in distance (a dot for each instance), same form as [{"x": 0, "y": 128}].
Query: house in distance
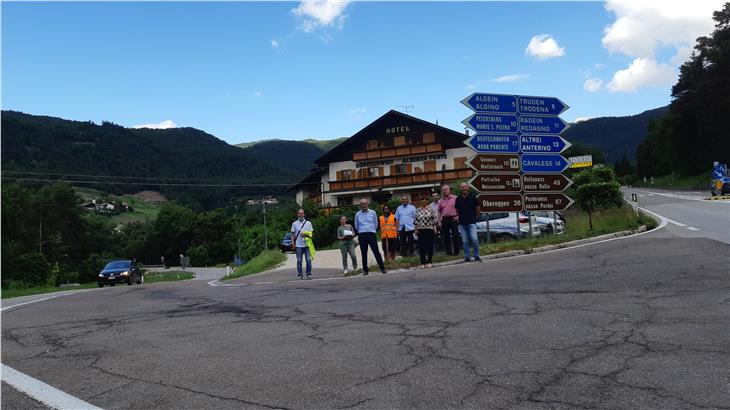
[{"x": 394, "y": 155}]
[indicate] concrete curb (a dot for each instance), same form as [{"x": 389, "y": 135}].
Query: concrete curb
[{"x": 541, "y": 249}]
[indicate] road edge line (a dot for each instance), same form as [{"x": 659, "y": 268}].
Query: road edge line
[{"x": 43, "y": 392}]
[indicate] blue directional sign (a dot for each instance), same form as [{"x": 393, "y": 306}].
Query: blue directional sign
[
  {"x": 532, "y": 124},
  {"x": 492, "y": 123},
  {"x": 543, "y": 144},
  {"x": 540, "y": 105},
  {"x": 543, "y": 163},
  {"x": 481, "y": 102},
  {"x": 494, "y": 143}
]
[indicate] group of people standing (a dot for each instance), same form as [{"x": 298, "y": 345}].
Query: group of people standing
[{"x": 451, "y": 216}]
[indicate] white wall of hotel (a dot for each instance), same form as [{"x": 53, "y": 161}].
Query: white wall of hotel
[{"x": 334, "y": 167}]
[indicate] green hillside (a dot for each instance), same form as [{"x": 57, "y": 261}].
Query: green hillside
[
  {"x": 614, "y": 136},
  {"x": 182, "y": 163}
]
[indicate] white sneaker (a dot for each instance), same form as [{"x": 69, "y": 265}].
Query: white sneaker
[{"x": 345, "y": 272}]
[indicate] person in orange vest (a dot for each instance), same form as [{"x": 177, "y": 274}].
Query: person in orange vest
[{"x": 389, "y": 233}]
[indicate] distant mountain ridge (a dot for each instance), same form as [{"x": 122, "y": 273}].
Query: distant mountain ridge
[
  {"x": 324, "y": 145},
  {"x": 614, "y": 136},
  {"x": 128, "y": 160},
  {"x": 298, "y": 156}
]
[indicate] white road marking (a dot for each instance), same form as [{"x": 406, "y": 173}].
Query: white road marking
[
  {"x": 4, "y": 308},
  {"x": 42, "y": 392},
  {"x": 675, "y": 222},
  {"x": 691, "y": 228}
]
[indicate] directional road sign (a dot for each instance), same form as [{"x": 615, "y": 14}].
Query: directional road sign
[
  {"x": 494, "y": 143},
  {"x": 543, "y": 143},
  {"x": 496, "y": 182},
  {"x": 533, "y": 124},
  {"x": 496, "y": 123},
  {"x": 544, "y": 163},
  {"x": 545, "y": 183},
  {"x": 581, "y": 161},
  {"x": 495, "y": 163},
  {"x": 480, "y": 102},
  {"x": 540, "y": 105},
  {"x": 546, "y": 202},
  {"x": 500, "y": 202}
]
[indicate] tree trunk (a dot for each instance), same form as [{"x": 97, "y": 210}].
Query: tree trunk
[{"x": 590, "y": 222}]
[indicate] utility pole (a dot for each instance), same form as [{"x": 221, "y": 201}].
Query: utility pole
[{"x": 266, "y": 228}]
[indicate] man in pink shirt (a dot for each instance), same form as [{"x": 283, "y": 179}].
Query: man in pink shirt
[{"x": 449, "y": 221}]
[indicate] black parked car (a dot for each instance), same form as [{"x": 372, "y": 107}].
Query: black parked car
[
  {"x": 285, "y": 244},
  {"x": 119, "y": 272}
]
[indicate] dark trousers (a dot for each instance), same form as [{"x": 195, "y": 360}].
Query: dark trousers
[
  {"x": 425, "y": 245},
  {"x": 406, "y": 242},
  {"x": 367, "y": 239},
  {"x": 450, "y": 235}
]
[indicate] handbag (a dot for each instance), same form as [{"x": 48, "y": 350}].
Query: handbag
[{"x": 294, "y": 240}]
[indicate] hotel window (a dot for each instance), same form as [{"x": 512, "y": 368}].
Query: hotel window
[
  {"x": 344, "y": 200},
  {"x": 372, "y": 144},
  {"x": 429, "y": 138},
  {"x": 429, "y": 166},
  {"x": 400, "y": 141},
  {"x": 459, "y": 162},
  {"x": 401, "y": 169},
  {"x": 373, "y": 172},
  {"x": 347, "y": 175}
]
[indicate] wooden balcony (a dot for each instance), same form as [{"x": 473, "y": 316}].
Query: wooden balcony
[
  {"x": 401, "y": 180},
  {"x": 394, "y": 152}
]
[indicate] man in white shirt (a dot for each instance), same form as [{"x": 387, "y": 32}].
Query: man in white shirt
[{"x": 302, "y": 250}]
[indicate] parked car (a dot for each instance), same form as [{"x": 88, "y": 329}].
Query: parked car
[
  {"x": 506, "y": 223},
  {"x": 285, "y": 244},
  {"x": 124, "y": 271},
  {"x": 550, "y": 221}
]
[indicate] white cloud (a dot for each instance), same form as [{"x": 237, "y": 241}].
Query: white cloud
[
  {"x": 543, "y": 47},
  {"x": 579, "y": 119},
  {"x": 592, "y": 85},
  {"x": 162, "y": 125},
  {"x": 275, "y": 45},
  {"x": 357, "y": 113},
  {"x": 599, "y": 66},
  {"x": 321, "y": 13},
  {"x": 641, "y": 72},
  {"x": 643, "y": 27},
  {"x": 510, "y": 78},
  {"x": 471, "y": 87},
  {"x": 258, "y": 93}
]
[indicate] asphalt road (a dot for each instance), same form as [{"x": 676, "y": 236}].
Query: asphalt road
[
  {"x": 689, "y": 214},
  {"x": 639, "y": 322}
]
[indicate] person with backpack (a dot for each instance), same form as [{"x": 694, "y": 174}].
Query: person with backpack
[{"x": 301, "y": 229}]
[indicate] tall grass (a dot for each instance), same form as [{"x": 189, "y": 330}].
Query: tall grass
[{"x": 264, "y": 261}]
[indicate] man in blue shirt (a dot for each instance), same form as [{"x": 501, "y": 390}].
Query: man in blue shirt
[
  {"x": 366, "y": 224},
  {"x": 406, "y": 216}
]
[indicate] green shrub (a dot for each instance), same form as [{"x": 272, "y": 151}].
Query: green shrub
[
  {"x": 199, "y": 255},
  {"x": 36, "y": 271}
]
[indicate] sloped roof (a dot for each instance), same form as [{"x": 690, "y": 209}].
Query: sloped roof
[{"x": 390, "y": 118}]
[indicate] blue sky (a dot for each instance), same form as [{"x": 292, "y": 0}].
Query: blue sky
[{"x": 248, "y": 71}]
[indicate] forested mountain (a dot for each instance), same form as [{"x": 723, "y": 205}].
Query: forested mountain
[
  {"x": 126, "y": 160},
  {"x": 694, "y": 133},
  {"x": 297, "y": 156},
  {"x": 614, "y": 136}
]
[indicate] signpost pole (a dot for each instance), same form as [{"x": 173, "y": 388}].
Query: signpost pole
[
  {"x": 489, "y": 235},
  {"x": 555, "y": 223},
  {"x": 529, "y": 221},
  {"x": 519, "y": 233}
]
